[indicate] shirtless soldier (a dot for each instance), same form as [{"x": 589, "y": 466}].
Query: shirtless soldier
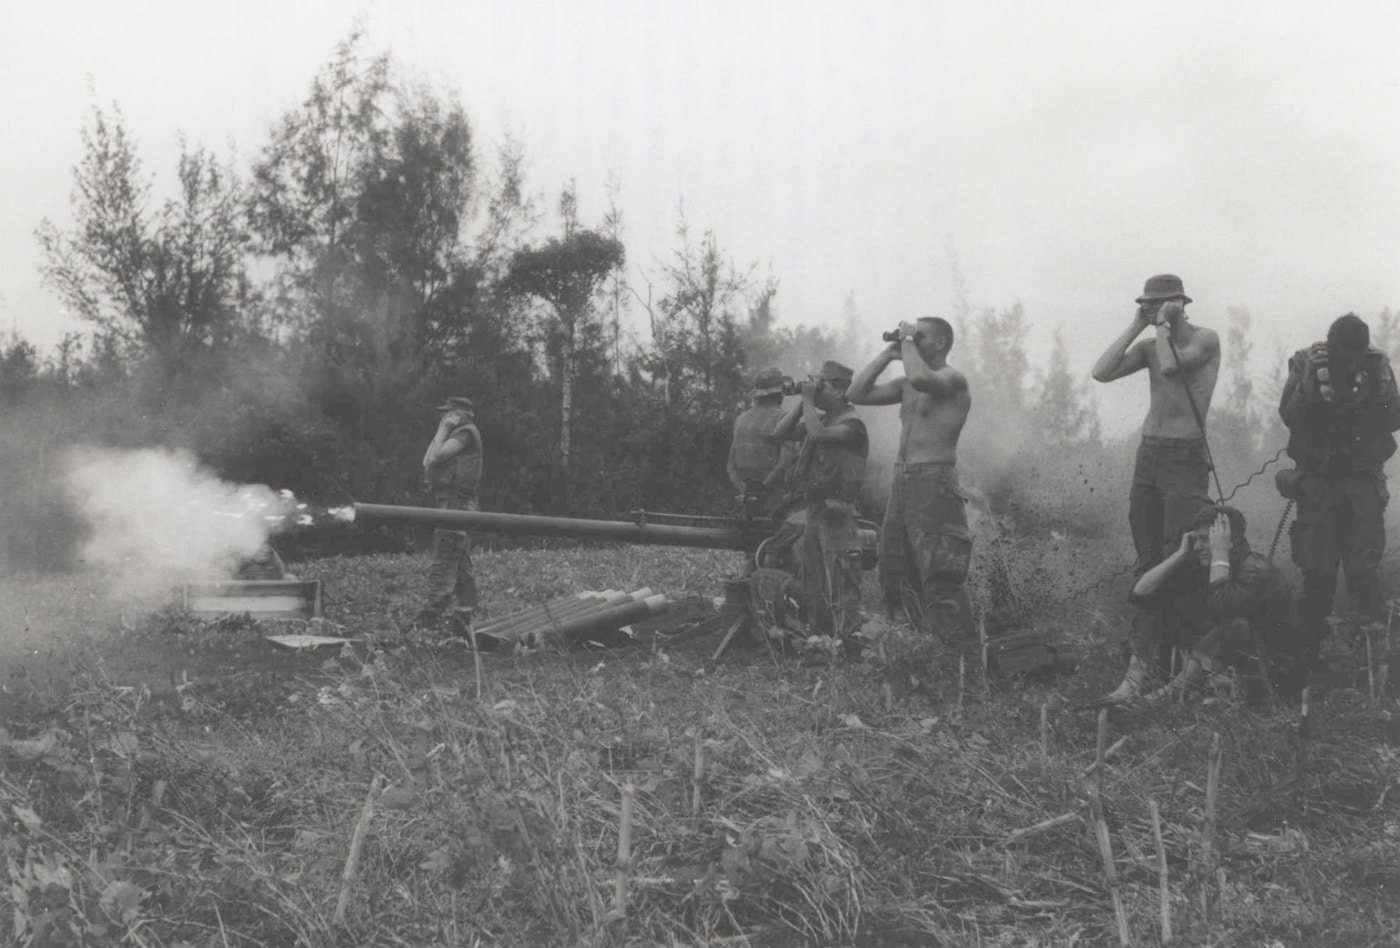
[
  {"x": 925, "y": 545},
  {"x": 1172, "y": 473}
]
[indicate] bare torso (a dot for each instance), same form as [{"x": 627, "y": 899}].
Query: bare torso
[
  {"x": 931, "y": 424},
  {"x": 1169, "y": 413}
]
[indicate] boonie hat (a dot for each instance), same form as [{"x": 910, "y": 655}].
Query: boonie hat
[
  {"x": 834, "y": 372},
  {"x": 457, "y": 403},
  {"x": 1164, "y": 286},
  {"x": 768, "y": 382}
]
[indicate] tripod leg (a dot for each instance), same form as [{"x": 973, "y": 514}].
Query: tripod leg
[{"x": 728, "y": 636}]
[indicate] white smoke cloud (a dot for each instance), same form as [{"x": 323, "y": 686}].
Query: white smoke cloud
[{"x": 157, "y": 519}]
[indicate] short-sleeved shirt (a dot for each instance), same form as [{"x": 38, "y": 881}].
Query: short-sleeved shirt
[{"x": 829, "y": 469}]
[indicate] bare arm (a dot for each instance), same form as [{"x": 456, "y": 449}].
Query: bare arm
[
  {"x": 783, "y": 430},
  {"x": 1200, "y": 349},
  {"x": 445, "y": 450},
  {"x": 864, "y": 391},
  {"x": 782, "y": 433},
  {"x": 449, "y": 443},
  {"x": 812, "y": 420},
  {"x": 838, "y": 433},
  {"x": 941, "y": 382},
  {"x": 439, "y": 436},
  {"x": 1152, "y": 580},
  {"x": 1118, "y": 359}
]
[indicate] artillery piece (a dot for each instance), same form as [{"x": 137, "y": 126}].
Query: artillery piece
[
  {"x": 645, "y": 529},
  {"x": 746, "y": 534}
]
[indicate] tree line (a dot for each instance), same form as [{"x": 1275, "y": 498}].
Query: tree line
[{"x": 292, "y": 322}]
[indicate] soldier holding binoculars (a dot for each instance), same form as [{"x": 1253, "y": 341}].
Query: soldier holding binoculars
[
  {"x": 925, "y": 544},
  {"x": 818, "y": 539}
]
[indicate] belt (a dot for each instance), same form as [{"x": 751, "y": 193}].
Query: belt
[{"x": 1161, "y": 442}]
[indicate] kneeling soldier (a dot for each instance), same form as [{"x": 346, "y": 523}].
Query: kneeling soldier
[{"x": 1228, "y": 606}]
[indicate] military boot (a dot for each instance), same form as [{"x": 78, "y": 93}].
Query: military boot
[
  {"x": 1130, "y": 688},
  {"x": 1189, "y": 676}
]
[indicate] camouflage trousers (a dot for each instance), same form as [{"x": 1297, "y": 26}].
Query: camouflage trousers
[
  {"x": 818, "y": 542},
  {"x": 1171, "y": 480},
  {"x": 451, "y": 584},
  {"x": 1340, "y": 522},
  {"x": 1237, "y": 643},
  {"x": 926, "y": 549},
  {"x": 1170, "y": 486}
]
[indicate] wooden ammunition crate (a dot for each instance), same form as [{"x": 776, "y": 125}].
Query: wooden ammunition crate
[{"x": 258, "y": 598}]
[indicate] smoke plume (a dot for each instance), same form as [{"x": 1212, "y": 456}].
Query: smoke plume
[{"x": 156, "y": 519}]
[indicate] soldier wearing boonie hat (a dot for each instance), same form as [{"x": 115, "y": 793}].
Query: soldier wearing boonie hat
[
  {"x": 452, "y": 473},
  {"x": 1171, "y": 477}
]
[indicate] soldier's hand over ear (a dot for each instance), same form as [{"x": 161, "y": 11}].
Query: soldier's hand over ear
[{"x": 1220, "y": 538}]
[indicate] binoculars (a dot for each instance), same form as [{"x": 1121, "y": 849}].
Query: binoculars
[{"x": 891, "y": 336}]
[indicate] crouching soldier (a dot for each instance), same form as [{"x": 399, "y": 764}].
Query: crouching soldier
[
  {"x": 1341, "y": 408},
  {"x": 818, "y": 539},
  {"x": 1226, "y": 606}
]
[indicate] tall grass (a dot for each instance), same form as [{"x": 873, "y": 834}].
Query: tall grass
[{"x": 825, "y": 808}]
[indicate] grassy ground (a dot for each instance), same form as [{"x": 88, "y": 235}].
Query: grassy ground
[{"x": 166, "y": 783}]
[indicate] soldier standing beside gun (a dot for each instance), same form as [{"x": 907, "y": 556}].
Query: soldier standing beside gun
[
  {"x": 754, "y": 451},
  {"x": 1172, "y": 474},
  {"x": 825, "y": 482},
  {"x": 452, "y": 472},
  {"x": 1341, "y": 407},
  {"x": 925, "y": 544}
]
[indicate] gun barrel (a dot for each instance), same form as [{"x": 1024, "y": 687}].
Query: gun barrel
[{"x": 622, "y": 531}]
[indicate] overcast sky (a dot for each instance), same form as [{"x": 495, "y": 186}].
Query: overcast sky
[{"x": 1061, "y": 152}]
